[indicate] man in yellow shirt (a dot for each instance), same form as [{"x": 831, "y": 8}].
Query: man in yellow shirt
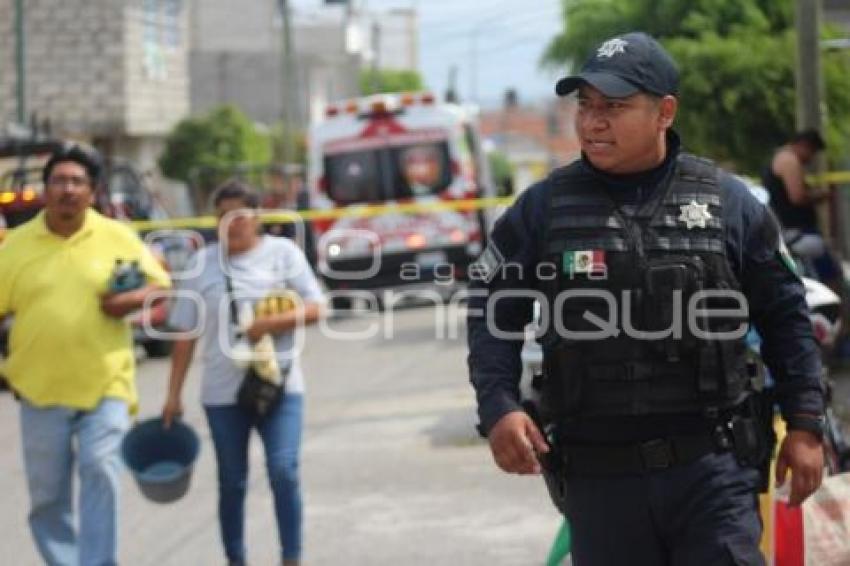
[{"x": 71, "y": 357}]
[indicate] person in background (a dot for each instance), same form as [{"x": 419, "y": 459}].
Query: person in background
[
  {"x": 257, "y": 266},
  {"x": 794, "y": 203},
  {"x": 71, "y": 362},
  {"x": 286, "y": 191}
]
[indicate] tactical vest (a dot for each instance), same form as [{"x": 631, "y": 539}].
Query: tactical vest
[{"x": 626, "y": 265}]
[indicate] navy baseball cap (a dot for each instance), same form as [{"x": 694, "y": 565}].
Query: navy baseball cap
[{"x": 625, "y": 65}]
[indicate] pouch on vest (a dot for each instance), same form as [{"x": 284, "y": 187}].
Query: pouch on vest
[
  {"x": 561, "y": 396},
  {"x": 669, "y": 283}
]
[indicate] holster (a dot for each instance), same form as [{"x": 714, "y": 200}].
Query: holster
[
  {"x": 552, "y": 463},
  {"x": 555, "y": 478},
  {"x": 753, "y": 437}
]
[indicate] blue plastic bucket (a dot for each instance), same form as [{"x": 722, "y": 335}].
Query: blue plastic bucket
[{"x": 161, "y": 460}]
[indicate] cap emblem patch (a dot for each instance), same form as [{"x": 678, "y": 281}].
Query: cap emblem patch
[{"x": 612, "y": 47}]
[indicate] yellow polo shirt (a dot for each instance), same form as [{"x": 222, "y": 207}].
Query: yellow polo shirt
[{"x": 63, "y": 350}]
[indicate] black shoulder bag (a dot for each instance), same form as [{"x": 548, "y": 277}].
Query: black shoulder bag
[{"x": 256, "y": 395}]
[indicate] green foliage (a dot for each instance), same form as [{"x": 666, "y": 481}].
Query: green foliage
[
  {"x": 736, "y": 59},
  {"x": 220, "y": 141},
  {"x": 502, "y": 172},
  {"x": 836, "y": 73},
  {"x": 389, "y": 80},
  {"x": 736, "y": 109},
  {"x": 296, "y": 139}
]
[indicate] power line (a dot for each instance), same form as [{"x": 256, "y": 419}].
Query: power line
[
  {"x": 504, "y": 17},
  {"x": 462, "y": 18},
  {"x": 526, "y": 26}
]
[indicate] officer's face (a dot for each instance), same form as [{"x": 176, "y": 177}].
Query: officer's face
[{"x": 623, "y": 135}]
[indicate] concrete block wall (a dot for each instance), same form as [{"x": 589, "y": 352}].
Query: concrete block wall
[
  {"x": 156, "y": 74},
  {"x": 236, "y": 58},
  {"x": 232, "y": 26},
  {"x": 8, "y": 108},
  {"x": 249, "y": 80},
  {"x": 74, "y": 63},
  {"x": 85, "y": 68}
]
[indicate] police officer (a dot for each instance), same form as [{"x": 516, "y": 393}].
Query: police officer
[{"x": 647, "y": 263}]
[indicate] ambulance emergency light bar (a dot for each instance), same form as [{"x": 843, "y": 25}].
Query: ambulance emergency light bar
[{"x": 379, "y": 104}]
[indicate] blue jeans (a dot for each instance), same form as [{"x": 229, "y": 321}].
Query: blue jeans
[
  {"x": 280, "y": 431},
  {"x": 49, "y": 454}
]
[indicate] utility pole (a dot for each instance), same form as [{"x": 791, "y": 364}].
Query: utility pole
[
  {"x": 809, "y": 81},
  {"x": 810, "y": 86},
  {"x": 291, "y": 111},
  {"x": 20, "y": 60},
  {"x": 376, "y": 56},
  {"x": 451, "y": 90},
  {"x": 473, "y": 66}
]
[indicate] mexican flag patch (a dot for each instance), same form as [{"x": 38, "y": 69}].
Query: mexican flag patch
[{"x": 584, "y": 261}]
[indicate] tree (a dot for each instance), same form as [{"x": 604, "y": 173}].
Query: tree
[
  {"x": 502, "y": 171},
  {"x": 297, "y": 139},
  {"x": 206, "y": 150},
  {"x": 736, "y": 59},
  {"x": 220, "y": 140},
  {"x": 389, "y": 80}
]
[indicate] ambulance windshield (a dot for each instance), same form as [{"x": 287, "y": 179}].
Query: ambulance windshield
[{"x": 388, "y": 173}]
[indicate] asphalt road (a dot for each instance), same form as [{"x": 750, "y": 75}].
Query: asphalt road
[{"x": 393, "y": 471}]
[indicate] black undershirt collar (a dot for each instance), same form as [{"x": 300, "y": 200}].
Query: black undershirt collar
[{"x": 636, "y": 187}]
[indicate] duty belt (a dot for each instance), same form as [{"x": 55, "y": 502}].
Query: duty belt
[{"x": 652, "y": 455}]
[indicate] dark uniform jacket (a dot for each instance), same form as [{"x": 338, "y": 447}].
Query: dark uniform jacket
[{"x": 775, "y": 295}]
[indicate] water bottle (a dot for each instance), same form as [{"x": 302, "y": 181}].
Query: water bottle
[{"x": 126, "y": 276}]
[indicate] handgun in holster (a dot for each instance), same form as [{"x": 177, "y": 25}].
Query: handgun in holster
[
  {"x": 753, "y": 437},
  {"x": 552, "y": 463}
]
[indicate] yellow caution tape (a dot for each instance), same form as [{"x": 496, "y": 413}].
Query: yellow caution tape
[
  {"x": 189, "y": 222},
  {"x": 364, "y": 211},
  {"x": 832, "y": 177}
]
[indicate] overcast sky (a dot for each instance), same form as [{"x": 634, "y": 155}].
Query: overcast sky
[{"x": 506, "y": 36}]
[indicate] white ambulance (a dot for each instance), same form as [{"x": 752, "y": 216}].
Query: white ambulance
[{"x": 399, "y": 152}]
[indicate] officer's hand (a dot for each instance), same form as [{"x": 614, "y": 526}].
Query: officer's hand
[
  {"x": 514, "y": 439},
  {"x": 802, "y": 453}
]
